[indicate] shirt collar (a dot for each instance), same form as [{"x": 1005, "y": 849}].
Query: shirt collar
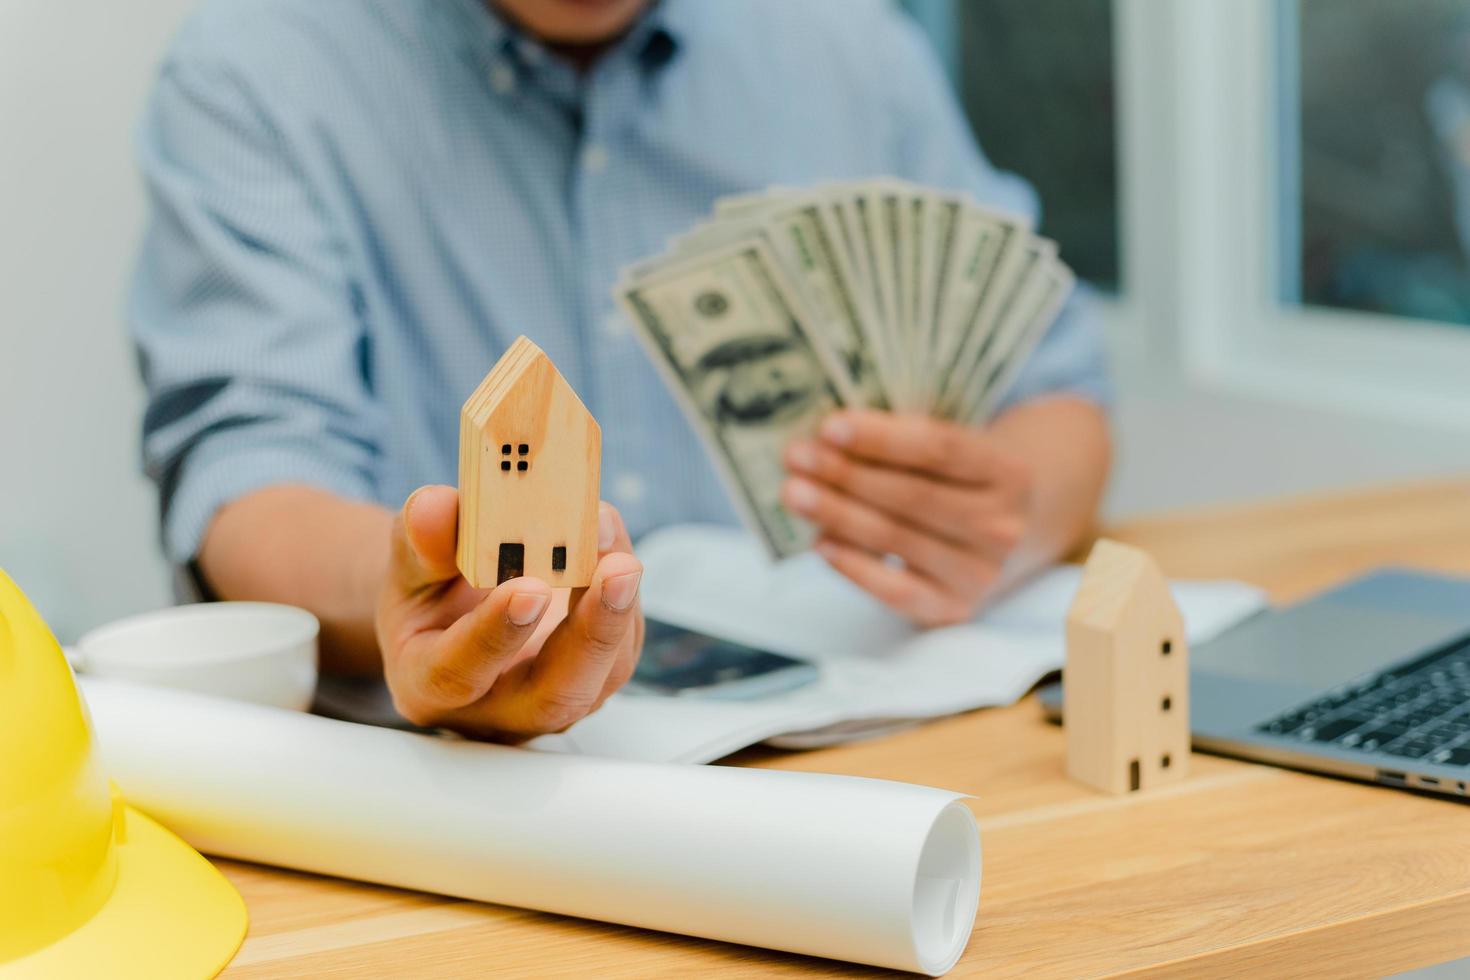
[{"x": 488, "y": 39}]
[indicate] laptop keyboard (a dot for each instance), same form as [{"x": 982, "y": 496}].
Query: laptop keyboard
[{"x": 1416, "y": 710}]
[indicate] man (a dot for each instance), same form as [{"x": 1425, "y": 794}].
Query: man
[{"x": 357, "y": 204}]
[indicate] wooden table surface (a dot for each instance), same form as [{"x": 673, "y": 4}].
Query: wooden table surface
[{"x": 1241, "y": 870}]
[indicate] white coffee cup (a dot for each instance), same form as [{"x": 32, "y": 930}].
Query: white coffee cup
[{"x": 249, "y": 651}]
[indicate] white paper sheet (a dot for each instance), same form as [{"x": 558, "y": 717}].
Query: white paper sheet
[
  {"x": 875, "y": 667},
  {"x": 866, "y": 870}
]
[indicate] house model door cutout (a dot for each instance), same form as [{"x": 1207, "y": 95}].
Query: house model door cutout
[{"x": 530, "y": 460}]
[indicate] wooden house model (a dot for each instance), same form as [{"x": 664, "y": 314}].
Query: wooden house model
[
  {"x": 530, "y": 457},
  {"x": 1126, "y": 681}
]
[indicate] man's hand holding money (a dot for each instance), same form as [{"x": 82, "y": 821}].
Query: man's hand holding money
[{"x": 918, "y": 511}]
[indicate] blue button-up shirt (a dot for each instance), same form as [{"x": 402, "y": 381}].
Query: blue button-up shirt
[{"x": 358, "y": 204}]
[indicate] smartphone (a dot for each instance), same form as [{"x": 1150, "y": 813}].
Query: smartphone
[{"x": 685, "y": 663}]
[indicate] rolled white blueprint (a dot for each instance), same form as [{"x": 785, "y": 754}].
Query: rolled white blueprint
[{"x": 866, "y": 870}]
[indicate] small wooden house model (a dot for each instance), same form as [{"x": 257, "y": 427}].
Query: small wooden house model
[
  {"x": 530, "y": 457},
  {"x": 1126, "y": 683}
]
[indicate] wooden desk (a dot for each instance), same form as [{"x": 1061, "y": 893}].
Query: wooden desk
[{"x": 1241, "y": 870}]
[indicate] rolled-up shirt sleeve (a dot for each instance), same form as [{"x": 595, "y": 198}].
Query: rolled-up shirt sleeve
[
  {"x": 933, "y": 145},
  {"x": 248, "y": 326}
]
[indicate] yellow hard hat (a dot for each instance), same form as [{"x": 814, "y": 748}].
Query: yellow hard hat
[{"x": 89, "y": 887}]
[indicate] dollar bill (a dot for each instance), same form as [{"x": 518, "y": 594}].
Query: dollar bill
[
  {"x": 940, "y": 224},
  {"x": 1029, "y": 322},
  {"x": 988, "y": 256},
  {"x": 853, "y": 260},
  {"x": 808, "y": 249},
  {"x": 1020, "y": 260},
  {"x": 732, "y": 341}
]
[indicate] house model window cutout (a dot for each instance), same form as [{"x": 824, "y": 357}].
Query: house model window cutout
[{"x": 530, "y": 459}]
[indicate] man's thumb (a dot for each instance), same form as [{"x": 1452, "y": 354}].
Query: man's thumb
[{"x": 424, "y": 538}]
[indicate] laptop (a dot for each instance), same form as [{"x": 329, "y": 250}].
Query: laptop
[{"x": 1370, "y": 680}]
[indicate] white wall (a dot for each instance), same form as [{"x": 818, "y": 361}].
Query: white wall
[
  {"x": 1180, "y": 444},
  {"x": 77, "y": 519}
]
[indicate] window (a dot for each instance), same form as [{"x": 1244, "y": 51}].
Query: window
[
  {"x": 1289, "y": 207},
  {"x": 1375, "y": 207},
  {"x": 1036, "y": 80},
  {"x": 522, "y": 465}
]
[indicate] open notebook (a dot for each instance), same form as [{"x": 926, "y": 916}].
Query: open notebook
[{"x": 877, "y": 672}]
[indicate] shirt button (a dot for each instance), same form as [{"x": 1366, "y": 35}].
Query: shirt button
[
  {"x": 594, "y": 158},
  {"x": 628, "y": 488},
  {"x": 615, "y": 325},
  {"x": 502, "y": 78}
]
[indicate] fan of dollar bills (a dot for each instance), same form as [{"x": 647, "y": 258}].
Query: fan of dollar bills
[{"x": 788, "y": 304}]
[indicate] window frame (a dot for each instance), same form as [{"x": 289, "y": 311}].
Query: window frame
[{"x": 1201, "y": 209}]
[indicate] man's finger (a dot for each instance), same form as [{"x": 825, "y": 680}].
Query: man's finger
[
  {"x": 424, "y": 537},
  {"x": 901, "y": 589},
  {"x": 626, "y": 663},
  {"x": 613, "y": 537},
  {"x": 612, "y": 534},
  {"x": 566, "y": 679},
  {"x": 947, "y": 449},
  {"x": 459, "y": 665},
  {"x": 969, "y": 516},
  {"x": 954, "y": 569}
]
